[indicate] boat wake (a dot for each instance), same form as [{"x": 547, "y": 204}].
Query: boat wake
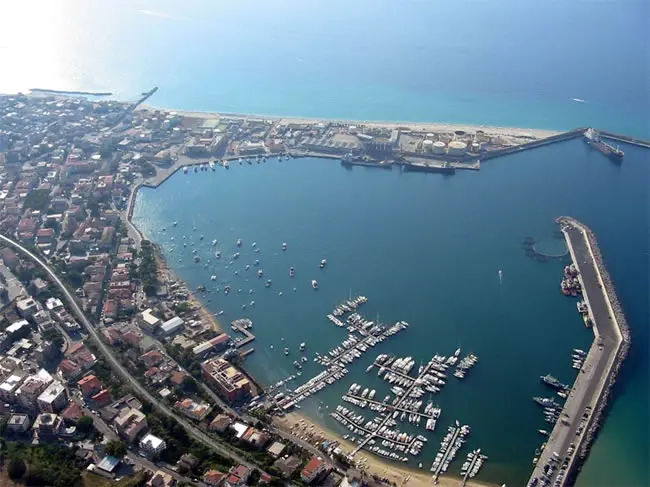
[{"x": 578, "y": 100}]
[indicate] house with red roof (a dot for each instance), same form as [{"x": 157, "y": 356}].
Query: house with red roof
[
  {"x": 315, "y": 470},
  {"x": 237, "y": 476},
  {"x": 90, "y": 385}
]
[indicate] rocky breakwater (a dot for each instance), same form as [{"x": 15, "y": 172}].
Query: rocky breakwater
[{"x": 624, "y": 332}]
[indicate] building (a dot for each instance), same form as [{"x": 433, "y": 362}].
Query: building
[
  {"x": 106, "y": 467},
  {"x": 288, "y": 466},
  {"x": 216, "y": 344},
  {"x": 255, "y": 438},
  {"x": 148, "y": 321},
  {"x": 27, "y": 307},
  {"x": 315, "y": 471},
  {"x": 171, "y": 326},
  {"x": 276, "y": 449},
  {"x": 9, "y": 387},
  {"x": 17, "y": 327},
  {"x": 130, "y": 423},
  {"x": 152, "y": 445},
  {"x": 214, "y": 478},
  {"x": 161, "y": 479},
  {"x": 90, "y": 385},
  {"x": 237, "y": 476},
  {"x": 220, "y": 423},
  {"x": 47, "y": 425},
  {"x": 192, "y": 409},
  {"x": 31, "y": 388},
  {"x": 18, "y": 423},
  {"x": 53, "y": 399},
  {"x": 226, "y": 379}
]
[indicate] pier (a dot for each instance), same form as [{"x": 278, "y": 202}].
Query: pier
[
  {"x": 569, "y": 442},
  {"x": 626, "y": 139},
  {"x": 248, "y": 336}
]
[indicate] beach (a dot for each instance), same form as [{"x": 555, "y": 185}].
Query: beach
[
  {"x": 304, "y": 428},
  {"x": 531, "y": 133}
]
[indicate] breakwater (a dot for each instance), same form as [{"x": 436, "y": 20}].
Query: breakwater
[
  {"x": 584, "y": 410},
  {"x": 625, "y": 138}
]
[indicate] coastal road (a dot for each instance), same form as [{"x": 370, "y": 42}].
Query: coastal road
[
  {"x": 592, "y": 377},
  {"x": 192, "y": 431}
]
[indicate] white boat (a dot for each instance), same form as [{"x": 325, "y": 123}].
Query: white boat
[
  {"x": 323, "y": 263},
  {"x": 302, "y": 346},
  {"x": 260, "y": 273},
  {"x": 314, "y": 284},
  {"x": 214, "y": 242},
  {"x": 284, "y": 245},
  {"x": 239, "y": 242}
]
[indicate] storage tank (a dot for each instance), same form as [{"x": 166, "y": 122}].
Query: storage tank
[
  {"x": 427, "y": 145},
  {"x": 429, "y": 135},
  {"x": 476, "y": 146},
  {"x": 457, "y": 148},
  {"x": 438, "y": 147}
]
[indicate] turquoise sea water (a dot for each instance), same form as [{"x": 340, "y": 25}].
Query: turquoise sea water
[{"x": 425, "y": 249}]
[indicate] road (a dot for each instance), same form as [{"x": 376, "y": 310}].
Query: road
[
  {"x": 588, "y": 386},
  {"x": 192, "y": 431}
]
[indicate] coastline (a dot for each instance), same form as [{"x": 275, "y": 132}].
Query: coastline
[
  {"x": 303, "y": 426},
  {"x": 416, "y": 126}
]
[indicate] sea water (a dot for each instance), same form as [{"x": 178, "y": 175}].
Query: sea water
[
  {"x": 426, "y": 249},
  {"x": 526, "y": 63}
]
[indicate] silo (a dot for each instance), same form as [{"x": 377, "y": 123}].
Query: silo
[
  {"x": 427, "y": 145},
  {"x": 457, "y": 148},
  {"x": 438, "y": 147}
]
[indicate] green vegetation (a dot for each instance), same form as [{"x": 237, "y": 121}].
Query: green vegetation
[
  {"x": 85, "y": 424},
  {"x": 54, "y": 335},
  {"x": 116, "y": 448},
  {"x": 92, "y": 480},
  {"x": 148, "y": 270},
  {"x": 37, "y": 199},
  {"x": 52, "y": 465}
]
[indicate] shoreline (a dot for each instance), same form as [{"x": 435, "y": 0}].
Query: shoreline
[
  {"x": 364, "y": 460},
  {"x": 528, "y": 132}
]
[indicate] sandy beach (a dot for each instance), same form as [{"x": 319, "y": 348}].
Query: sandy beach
[
  {"x": 304, "y": 428},
  {"x": 415, "y": 126}
]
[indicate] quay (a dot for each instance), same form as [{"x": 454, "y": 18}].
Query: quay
[
  {"x": 248, "y": 336},
  {"x": 626, "y": 139},
  {"x": 570, "y": 440}
]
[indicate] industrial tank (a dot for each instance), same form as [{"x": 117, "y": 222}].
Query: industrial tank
[
  {"x": 438, "y": 147},
  {"x": 457, "y": 148},
  {"x": 426, "y": 145}
]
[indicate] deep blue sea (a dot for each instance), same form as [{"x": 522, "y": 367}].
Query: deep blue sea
[{"x": 423, "y": 248}]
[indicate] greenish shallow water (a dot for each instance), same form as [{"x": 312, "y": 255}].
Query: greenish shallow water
[{"x": 427, "y": 249}]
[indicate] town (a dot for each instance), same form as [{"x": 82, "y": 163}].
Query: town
[{"x": 110, "y": 369}]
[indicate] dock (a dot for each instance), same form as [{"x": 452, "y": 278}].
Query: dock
[
  {"x": 248, "y": 336},
  {"x": 570, "y": 439}
]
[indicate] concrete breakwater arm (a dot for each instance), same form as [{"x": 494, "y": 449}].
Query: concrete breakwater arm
[{"x": 583, "y": 412}]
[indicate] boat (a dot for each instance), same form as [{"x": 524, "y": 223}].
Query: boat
[
  {"x": 284, "y": 245},
  {"x": 592, "y": 137},
  {"x": 302, "y": 346},
  {"x": 552, "y": 381},
  {"x": 545, "y": 401},
  {"x": 175, "y": 223},
  {"x": 214, "y": 242},
  {"x": 239, "y": 242},
  {"x": 217, "y": 255},
  {"x": 213, "y": 277},
  {"x": 323, "y": 263},
  {"x": 314, "y": 284},
  {"x": 543, "y": 432},
  {"x": 292, "y": 272},
  {"x": 286, "y": 351},
  {"x": 260, "y": 273},
  {"x": 267, "y": 283}
]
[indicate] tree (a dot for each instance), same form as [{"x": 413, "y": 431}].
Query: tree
[
  {"x": 116, "y": 448},
  {"x": 54, "y": 335},
  {"x": 189, "y": 384},
  {"x": 16, "y": 468},
  {"x": 85, "y": 424}
]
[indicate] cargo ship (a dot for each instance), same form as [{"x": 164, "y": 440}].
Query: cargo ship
[{"x": 592, "y": 138}]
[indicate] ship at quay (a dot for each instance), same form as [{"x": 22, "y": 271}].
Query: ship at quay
[{"x": 584, "y": 411}]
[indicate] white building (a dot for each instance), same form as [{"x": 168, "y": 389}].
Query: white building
[
  {"x": 152, "y": 445},
  {"x": 172, "y": 326},
  {"x": 53, "y": 399}
]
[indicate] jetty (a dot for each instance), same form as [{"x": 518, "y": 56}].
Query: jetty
[{"x": 571, "y": 438}]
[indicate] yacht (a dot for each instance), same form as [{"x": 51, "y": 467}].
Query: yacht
[
  {"x": 267, "y": 283},
  {"x": 314, "y": 284},
  {"x": 239, "y": 242},
  {"x": 260, "y": 273},
  {"x": 303, "y": 345},
  {"x": 214, "y": 242},
  {"x": 284, "y": 245},
  {"x": 323, "y": 263},
  {"x": 292, "y": 272}
]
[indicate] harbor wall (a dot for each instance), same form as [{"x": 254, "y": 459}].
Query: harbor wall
[{"x": 599, "y": 413}]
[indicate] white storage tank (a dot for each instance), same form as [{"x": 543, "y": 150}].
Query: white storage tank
[
  {"x": 476, "y": 146},
  {"x": 427, "y": 145},
  {"x": 438, "y": 147},
  {"x": 457, "y": 148}
]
